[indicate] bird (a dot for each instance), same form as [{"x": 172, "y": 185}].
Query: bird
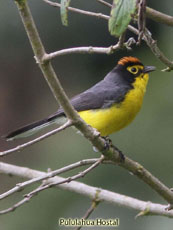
[{"x": 108, "y": 106}]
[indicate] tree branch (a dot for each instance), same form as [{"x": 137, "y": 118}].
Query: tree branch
[
  {"x": 82, "y": 50},
  {"x": 84, "y": 12},
  {"x": 156, "y": 51},
  {"x": 89, "y": 191},
  {"x": 104, "y": 3},
  {"x": 159, "y": 17},
  {"x": 21, "y": 186},
  {"x": 91, "y": 209},
  {"x": 90, "y": 50},
  {"x": 67, "y": 180},
  {"x": 153, "y": 46},
  {"x": 46, "y": 185}
]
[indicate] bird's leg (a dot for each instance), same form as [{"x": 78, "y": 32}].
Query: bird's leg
[{"x": 108, "y": 144}]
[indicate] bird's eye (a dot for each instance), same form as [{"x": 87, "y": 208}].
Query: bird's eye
[{"x": 132, "y": 70}]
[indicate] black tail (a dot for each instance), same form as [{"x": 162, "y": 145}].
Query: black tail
[
  {"x": 32, "y": 128},
  {"x": 25, "y": 130}
]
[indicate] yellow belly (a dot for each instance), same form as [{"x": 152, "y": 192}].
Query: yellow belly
[{"x": 111, "y": 120}]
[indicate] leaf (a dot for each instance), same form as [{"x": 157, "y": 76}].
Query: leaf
[
  {"x": 121, "y": 15},
  {"x": 64, "y": 11}
]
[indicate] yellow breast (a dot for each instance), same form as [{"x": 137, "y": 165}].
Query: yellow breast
[{"x": 112, "y": 119}]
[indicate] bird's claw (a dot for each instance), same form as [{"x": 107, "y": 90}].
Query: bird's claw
[{"x": 108, "y": 144}]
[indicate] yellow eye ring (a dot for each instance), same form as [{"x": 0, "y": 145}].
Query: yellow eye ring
[{"x": 133, "y": 69}]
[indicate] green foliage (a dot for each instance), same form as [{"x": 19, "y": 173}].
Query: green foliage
[
  {"x": 121, "y": 15},
  {"x": 64, "y": 11}
]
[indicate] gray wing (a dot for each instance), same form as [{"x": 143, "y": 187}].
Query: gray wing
[{"x": 102, "y": 95}]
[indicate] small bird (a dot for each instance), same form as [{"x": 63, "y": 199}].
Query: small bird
[{"x": 108, "y": 106}]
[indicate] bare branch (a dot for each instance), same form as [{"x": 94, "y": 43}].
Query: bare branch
[
  {"x": 36, "y": 140},
  {"x": 104, "y": 3},
  {"x": 159, "y": 17},
  {"x": 90, "y": 50},
  {"x": 89, "y": 191},
  {"x": 141, "y": 19},
  {"x": 49, "y": 185},
  {"x": 153, "y": 46},
  {"x": 91, "y": 209},
  {"x": 84, "y": 12},
  {"x": 82, "y": 50},
  {"x": 67, "y": 180},
  {"x": 21, "y": 186},
  {"x": 121, "y": 40},
  {"x": 156, "y": 51},
  {"x": 13, "y": 208}
]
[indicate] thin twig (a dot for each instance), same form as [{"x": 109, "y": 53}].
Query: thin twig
[
  {"x": 21, "y": 186},
  {"x": 104, "y": 3},
  {"x": 153, "y": 46},
  {"x": 89, "y": 191},
  {"x": 84, "y": 12},
  {"x": 36, "y": 140},
  {"x": 90, "y": 49},
  {"x": 91, "y": 209},
  {"x": 45, "y": 186},
  {"x": 67, "y": 180},
  {"x": 121, "y": 40},
  {"x": 82, "y": 50},
  {"x": 141, "y": 19},
  {"x": 13, "y": 208},
  {"x": 156, "y": 51}
]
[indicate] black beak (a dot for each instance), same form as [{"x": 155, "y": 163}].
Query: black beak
[{"x": 148, "y": 69}]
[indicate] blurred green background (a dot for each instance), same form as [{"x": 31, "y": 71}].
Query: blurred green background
[{"x": 25, "y": 97}]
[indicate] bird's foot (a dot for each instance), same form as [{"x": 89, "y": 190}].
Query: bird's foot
[{"x": 108, "y": 144}]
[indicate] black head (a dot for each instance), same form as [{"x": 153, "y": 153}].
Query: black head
[{"x": 131, "y": 68}]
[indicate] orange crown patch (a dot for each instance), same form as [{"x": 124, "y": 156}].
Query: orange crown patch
[{"x": 125, "y": 60}]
